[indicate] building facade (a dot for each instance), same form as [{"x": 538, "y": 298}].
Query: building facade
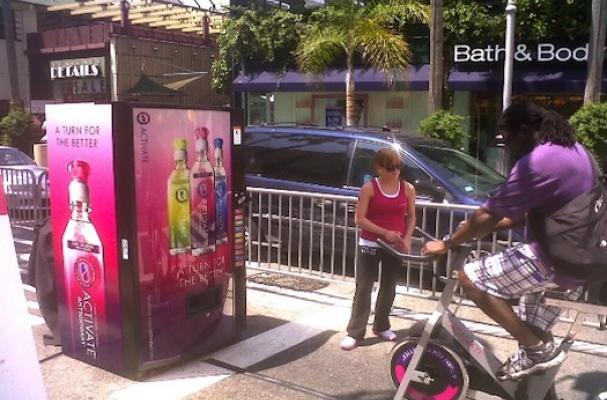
[
  {"x": 550, "y": 73},
  {"x": 77, "y": 51},
  {"x": 320, "y": 100},
  {"x": 100, "y": 62},
  {"x": 25, "y": 22}
]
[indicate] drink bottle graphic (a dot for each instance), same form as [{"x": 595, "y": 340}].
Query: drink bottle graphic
[
  {"x": 178, "y": 201},
  {"x": 221, "y": 195},
  {"x": 83, "y": 266},
  {"x": 202, "y": 195}
]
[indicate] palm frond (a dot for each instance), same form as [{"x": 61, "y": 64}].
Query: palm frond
[
  {"x": 320, "y": 48},
  {"x": 381, "y": 49},
  {"x": 403, "y": 11}
]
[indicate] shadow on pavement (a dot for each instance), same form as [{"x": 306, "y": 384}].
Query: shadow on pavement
[
  {"x": 257, "y": 324},
  {"x": 366, "y": 395},
  {"x": 591, "y": 383},
  {"x": 294, "y": 353}
]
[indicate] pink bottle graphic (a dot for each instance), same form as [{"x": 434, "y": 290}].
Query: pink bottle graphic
[
  {"x": 83, "y": 267},
  {"x": 202, "y": 192}
]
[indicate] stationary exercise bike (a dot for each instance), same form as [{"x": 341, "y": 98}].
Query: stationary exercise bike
[{"x": 441, "y": 359}]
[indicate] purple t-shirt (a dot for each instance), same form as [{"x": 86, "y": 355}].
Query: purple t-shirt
[{"x": 544, "y": 181}]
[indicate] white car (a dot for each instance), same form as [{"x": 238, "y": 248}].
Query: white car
[{"x": 24, "y": 183}]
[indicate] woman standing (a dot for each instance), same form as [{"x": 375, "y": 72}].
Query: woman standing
[{"x": 385, "y": 209}]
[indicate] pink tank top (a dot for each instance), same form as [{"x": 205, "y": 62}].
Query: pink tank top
[{"x": 386, "y": 211}]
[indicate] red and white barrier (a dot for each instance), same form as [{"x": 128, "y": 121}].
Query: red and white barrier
[{"x": 20, "y": 375}]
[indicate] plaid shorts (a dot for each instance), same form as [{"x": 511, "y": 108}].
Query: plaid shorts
[{"x": 517, "y": 273}]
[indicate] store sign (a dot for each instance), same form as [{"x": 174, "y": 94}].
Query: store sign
[
  {"x": 88, "y": 86},
  {"x": 92, "y": 67},
  {"x": 542, "y": 52}
]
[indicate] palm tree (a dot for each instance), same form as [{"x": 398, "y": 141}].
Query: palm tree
[{"x": 347, "y": 28}]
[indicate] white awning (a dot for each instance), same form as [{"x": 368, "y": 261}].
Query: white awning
[{"x": 187, "y": 16}]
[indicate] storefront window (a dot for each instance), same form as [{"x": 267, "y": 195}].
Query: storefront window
[
  {"x": 487, "y": 110},
  {"x": 484, "y": 126},
  {"x": 566, "y": 105},
  {"x": 260, "y": 108}
]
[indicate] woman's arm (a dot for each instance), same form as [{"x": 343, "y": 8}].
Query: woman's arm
[{"x": 410, "y": 217}]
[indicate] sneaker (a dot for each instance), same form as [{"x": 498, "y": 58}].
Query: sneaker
[
  {"x": 387, "y": 335},
  {"x": 348, "y": 343},
  {"x": 531, "y": 360}
]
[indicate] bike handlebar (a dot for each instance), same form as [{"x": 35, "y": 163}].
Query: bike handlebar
[
  {"x": 460, "y": 254},
  {"x": 422, "y": 258}
]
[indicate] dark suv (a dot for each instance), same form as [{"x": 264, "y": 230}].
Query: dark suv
[{"x": 339, "y": 162}]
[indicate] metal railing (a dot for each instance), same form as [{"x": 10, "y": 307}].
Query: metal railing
[
  {"x": 315, "y": 234},
  {"x": 27, "y": 196}
]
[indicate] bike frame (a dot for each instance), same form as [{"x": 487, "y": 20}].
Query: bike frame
[
  {"x": 534, "y": 387},
  {"x": 537, "y": 386}
]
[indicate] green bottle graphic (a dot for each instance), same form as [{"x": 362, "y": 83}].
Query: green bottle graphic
[{"x": 178, "y": 201}]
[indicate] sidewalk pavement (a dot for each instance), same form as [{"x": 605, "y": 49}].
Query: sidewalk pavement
[{"x": 290, "y": 350}]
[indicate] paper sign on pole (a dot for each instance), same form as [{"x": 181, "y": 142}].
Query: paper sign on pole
[{"x": 20, "y": 375}]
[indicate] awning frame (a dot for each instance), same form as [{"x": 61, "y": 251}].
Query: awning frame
[{"x": 163, "y": 14}]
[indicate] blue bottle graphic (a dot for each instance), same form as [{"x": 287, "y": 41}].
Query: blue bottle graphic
[{"x": 221, "y": 195}]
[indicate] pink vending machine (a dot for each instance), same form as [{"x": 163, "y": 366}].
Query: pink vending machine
[{"x": 148, "y": 228}]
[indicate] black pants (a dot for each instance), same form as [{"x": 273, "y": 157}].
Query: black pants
[{"x": 366, "y": 272}]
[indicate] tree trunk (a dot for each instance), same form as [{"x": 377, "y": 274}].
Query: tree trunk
[
  {"x": 11, "y": 54},
  {"x": 596, "y": 52},
  {"x": 350, "y": 94},
  {"x": 435, "y": 83}
]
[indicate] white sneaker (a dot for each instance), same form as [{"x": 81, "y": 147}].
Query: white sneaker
[
  {"x": 348, "y": 343},
  {"x": 387, "y": 335}
]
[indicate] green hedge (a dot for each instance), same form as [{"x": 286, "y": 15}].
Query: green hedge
[
  {"x": 16, "y": 127},
  {"x": 590, "y": 123},
  {"x": 444, "y": 125}
]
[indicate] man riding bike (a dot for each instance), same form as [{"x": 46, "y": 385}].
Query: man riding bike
[{"x": 551, "y": 170}]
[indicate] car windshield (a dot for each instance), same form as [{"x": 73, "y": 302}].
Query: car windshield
[
  {"x": 13, "y": 157},
  {"x": 470, "y": 175}
]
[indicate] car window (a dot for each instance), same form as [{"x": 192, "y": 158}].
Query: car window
[
  {"x": 14, "y": 157},
  {"x": 307, "y": 158},
  {"x": 469, "y": 174},
  {"x": 362, "y": 165},
  {"x": 413, "y": 173},
  {"x": 256, "y": 146}
]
